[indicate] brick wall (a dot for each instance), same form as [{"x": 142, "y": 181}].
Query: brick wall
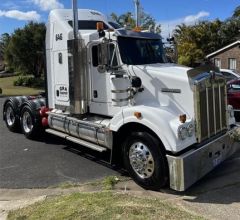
[{"x": 233, "y": 52}]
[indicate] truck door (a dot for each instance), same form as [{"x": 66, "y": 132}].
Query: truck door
[{"x": 100, "y": 81}]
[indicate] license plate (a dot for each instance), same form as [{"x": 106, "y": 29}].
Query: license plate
[{"x": 217, "y": 161}]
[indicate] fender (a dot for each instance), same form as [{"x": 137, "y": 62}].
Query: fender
[
  {"x": 18, "y": 100},
  {"x": 38, "y": 103},
  {"x": 161, "y": 121}
]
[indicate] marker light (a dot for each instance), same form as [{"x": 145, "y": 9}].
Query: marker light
[
  {"x": 137, "y": 29},
  {"x": 182, "y": 118},
  {"x": 99, "y": 26},
  {"x": 138, "y": 115}
]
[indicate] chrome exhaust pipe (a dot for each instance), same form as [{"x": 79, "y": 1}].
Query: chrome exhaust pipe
[
  {"x": 78, "y": 88},
  {"x": 75, "y": 19}
]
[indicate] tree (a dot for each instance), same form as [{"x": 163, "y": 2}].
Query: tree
[
  {"x": 147, "y": 21},
  {"x": 26, "y": 48},
  {"x": 236, "y": 12},
  {"x": 127, "y": 19},
  {"x": 187, "y": 45},
  {"x": 196, "y": 41},
  {"x": 4, "y": 41}
]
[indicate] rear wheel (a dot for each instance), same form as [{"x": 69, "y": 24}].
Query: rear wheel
[
  {"x": 145, "y": 160},
  {"x": 11, "y": 117},
  {"x": 30, "y": 122}
]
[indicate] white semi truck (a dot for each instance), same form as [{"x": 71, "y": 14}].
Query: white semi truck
[{"x": 112, "y": 90}]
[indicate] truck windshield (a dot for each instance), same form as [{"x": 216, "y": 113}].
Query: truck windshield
[{"x": 136, "y": 51}]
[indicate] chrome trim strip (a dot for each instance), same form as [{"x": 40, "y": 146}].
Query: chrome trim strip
[
  {"x": 122, "y": 100},
  {"x": 171, "y": 90},
  {"x": 76, "y": 140},
  {"x": 220, "y": 105},
  {"x": 208, "y": 123},
  {"x": 121, "y": 91},
  {"x": 214, "y": 110}
]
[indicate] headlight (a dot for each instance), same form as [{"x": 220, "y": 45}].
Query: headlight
[
  {"x": 182, "y": 133},
  {"x": 190, "y": 130}
]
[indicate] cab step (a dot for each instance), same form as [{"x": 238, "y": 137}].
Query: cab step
[{"x": 76, "y": 140}]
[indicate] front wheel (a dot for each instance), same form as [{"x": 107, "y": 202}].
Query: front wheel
[{"x": 145, "y": 160}]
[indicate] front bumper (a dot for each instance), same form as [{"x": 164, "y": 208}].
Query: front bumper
[{"x": 188, "y": 168}]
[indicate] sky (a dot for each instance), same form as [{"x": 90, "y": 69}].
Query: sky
[{"x": 16, "y": 13}]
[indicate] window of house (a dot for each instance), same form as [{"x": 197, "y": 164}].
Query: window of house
[
  {"x": 217, "y": 62},
  {"x": 232, "y": 63}
]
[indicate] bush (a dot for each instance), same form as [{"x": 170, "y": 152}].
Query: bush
[
  {"x": 19, "y": 81},
  {"x": 29, "y": 81}
]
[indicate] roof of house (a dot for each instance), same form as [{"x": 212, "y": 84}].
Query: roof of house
[{"x": 224, "y": 48}]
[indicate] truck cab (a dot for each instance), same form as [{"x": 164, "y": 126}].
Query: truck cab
[{"x": 113, "y": 90}]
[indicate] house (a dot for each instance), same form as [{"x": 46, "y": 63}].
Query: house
[{"x": 227, "y": 57}]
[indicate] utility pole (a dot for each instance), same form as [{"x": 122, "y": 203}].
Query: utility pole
[{"x": 137, "y": 7}]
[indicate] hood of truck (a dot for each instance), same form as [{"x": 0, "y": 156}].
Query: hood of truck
[{"x": 166, "y": 86}]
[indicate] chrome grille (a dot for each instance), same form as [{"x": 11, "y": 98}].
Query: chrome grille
[{"x": 210, "y": 108}]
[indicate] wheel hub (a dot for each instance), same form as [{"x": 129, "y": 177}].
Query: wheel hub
[
  {"x": 27, "y": 122},
  {"x": 141, "y": 160},
  {"x": 10, "y": 116}
]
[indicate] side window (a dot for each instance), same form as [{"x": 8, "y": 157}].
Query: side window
[
  {"x": 95, "y": 56},
  {"x": 233, "y": 87},
  {"x": 236, "y": 87},
  {"x": 226, "y": 74},
  {"x": 112, "y": 59}
]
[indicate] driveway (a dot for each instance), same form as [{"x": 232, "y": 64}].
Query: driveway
[
  {"x": 36, "y": 164},
  {"x": 52, "y": 161}
]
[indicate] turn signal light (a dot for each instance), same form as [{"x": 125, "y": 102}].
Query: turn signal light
[
  {"x": 138, "y": 115},
  {"x": 99, "y": 26},
  {"x": 182, "y": 118},
  {"x": 137, "y": 29}
]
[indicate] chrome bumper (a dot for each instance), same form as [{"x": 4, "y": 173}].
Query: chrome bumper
[{"x": 188, "y": 168}]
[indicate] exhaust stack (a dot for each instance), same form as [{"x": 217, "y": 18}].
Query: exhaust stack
[
  {"x": 75, "y": 19},
  {"x": 77, "y": 69},
  {"x": 137, "y": 14}
]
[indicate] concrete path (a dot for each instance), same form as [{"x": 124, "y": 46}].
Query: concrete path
[{"x": 217, "y": 196}]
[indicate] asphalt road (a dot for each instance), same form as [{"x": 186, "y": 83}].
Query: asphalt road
[{"x": 36, "y": 164}]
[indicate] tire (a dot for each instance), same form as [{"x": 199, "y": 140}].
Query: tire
[
  {"x": 145, "y": 161},
  {"x": 11, "y": 117},
  {"x": 30, "y": 122}
]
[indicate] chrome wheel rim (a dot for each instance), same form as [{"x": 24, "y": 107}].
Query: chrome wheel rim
[
  {"x": 27, "y": 122},
  {"x": 141, "y": 160},
  {"x": 10, "y": 116}
]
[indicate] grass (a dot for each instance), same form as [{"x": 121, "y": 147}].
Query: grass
[
  {"x": 107, "y": 183},
  {"x": 8, "y": 89},
  {"x": 100, "y": 205}
]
